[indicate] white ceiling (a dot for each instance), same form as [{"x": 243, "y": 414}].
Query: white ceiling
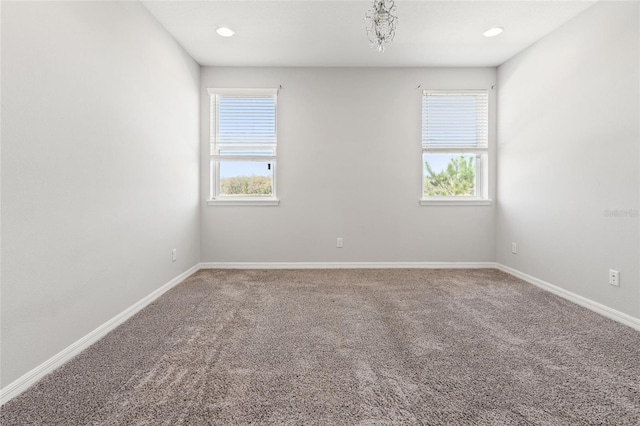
[{"x": 331, "y": 33}]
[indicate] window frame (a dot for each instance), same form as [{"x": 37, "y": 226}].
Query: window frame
[
  {"x": 481, "y": 162},
  {"x": 216, "y": 157}
]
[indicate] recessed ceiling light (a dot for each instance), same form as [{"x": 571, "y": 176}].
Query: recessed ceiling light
[
  {"x": 492, "y": 32},
  {"x": 225, "y": 32}
]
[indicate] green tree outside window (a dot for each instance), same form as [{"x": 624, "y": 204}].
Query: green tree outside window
[{"x": 457, "y": 179}]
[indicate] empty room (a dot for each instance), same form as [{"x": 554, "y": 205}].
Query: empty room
[{"x": 320, "y": 212}]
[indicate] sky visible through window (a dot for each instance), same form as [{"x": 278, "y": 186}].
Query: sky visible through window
[
  {"x": 439, "y": 162},
  {"x": 240, "y": 168}
]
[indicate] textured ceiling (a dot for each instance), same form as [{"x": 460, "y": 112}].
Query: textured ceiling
[{"x": 331, "y": 33}]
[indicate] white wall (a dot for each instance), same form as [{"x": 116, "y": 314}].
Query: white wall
[
  {"x": 100, "y": 151},
  {"x": 569, "y": 145},
  {"x": 349, "y": 166}
]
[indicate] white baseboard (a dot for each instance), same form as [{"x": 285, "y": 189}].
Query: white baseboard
[
  {"x": 606, "y": 311},
  {"x": 347, "y": 265},
  {"x": 21, "y": 384}
]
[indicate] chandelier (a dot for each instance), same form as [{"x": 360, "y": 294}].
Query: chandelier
[{"x": 381, "y": 22}]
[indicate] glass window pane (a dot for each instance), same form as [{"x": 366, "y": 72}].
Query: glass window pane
[
  {"x": 246, "y": 178},
  {"x": 449, "y": 175}
]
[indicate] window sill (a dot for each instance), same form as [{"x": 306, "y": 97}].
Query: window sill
[
  {"x": 244, "y": 202},
  {"x": 454, "y": 202}
]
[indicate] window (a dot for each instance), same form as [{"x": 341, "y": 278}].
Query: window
[
  {"x": 243, "y": 146},
  {"x": 454, "y": 147}
]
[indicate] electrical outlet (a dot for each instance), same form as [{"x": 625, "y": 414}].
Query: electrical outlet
[
  {"x": 174, "y": 255},
  {"x": 514, "y": 248},
  {"x": 614, "y": 278},
  {"x": 339, "y": 243}
]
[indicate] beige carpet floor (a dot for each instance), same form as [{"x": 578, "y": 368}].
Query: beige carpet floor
[{"x": 352, "y": 347}]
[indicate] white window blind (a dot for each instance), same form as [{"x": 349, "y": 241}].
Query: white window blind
[
  {"x": 455, "y": 119},
  {"x": 245, "y": 120}
]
